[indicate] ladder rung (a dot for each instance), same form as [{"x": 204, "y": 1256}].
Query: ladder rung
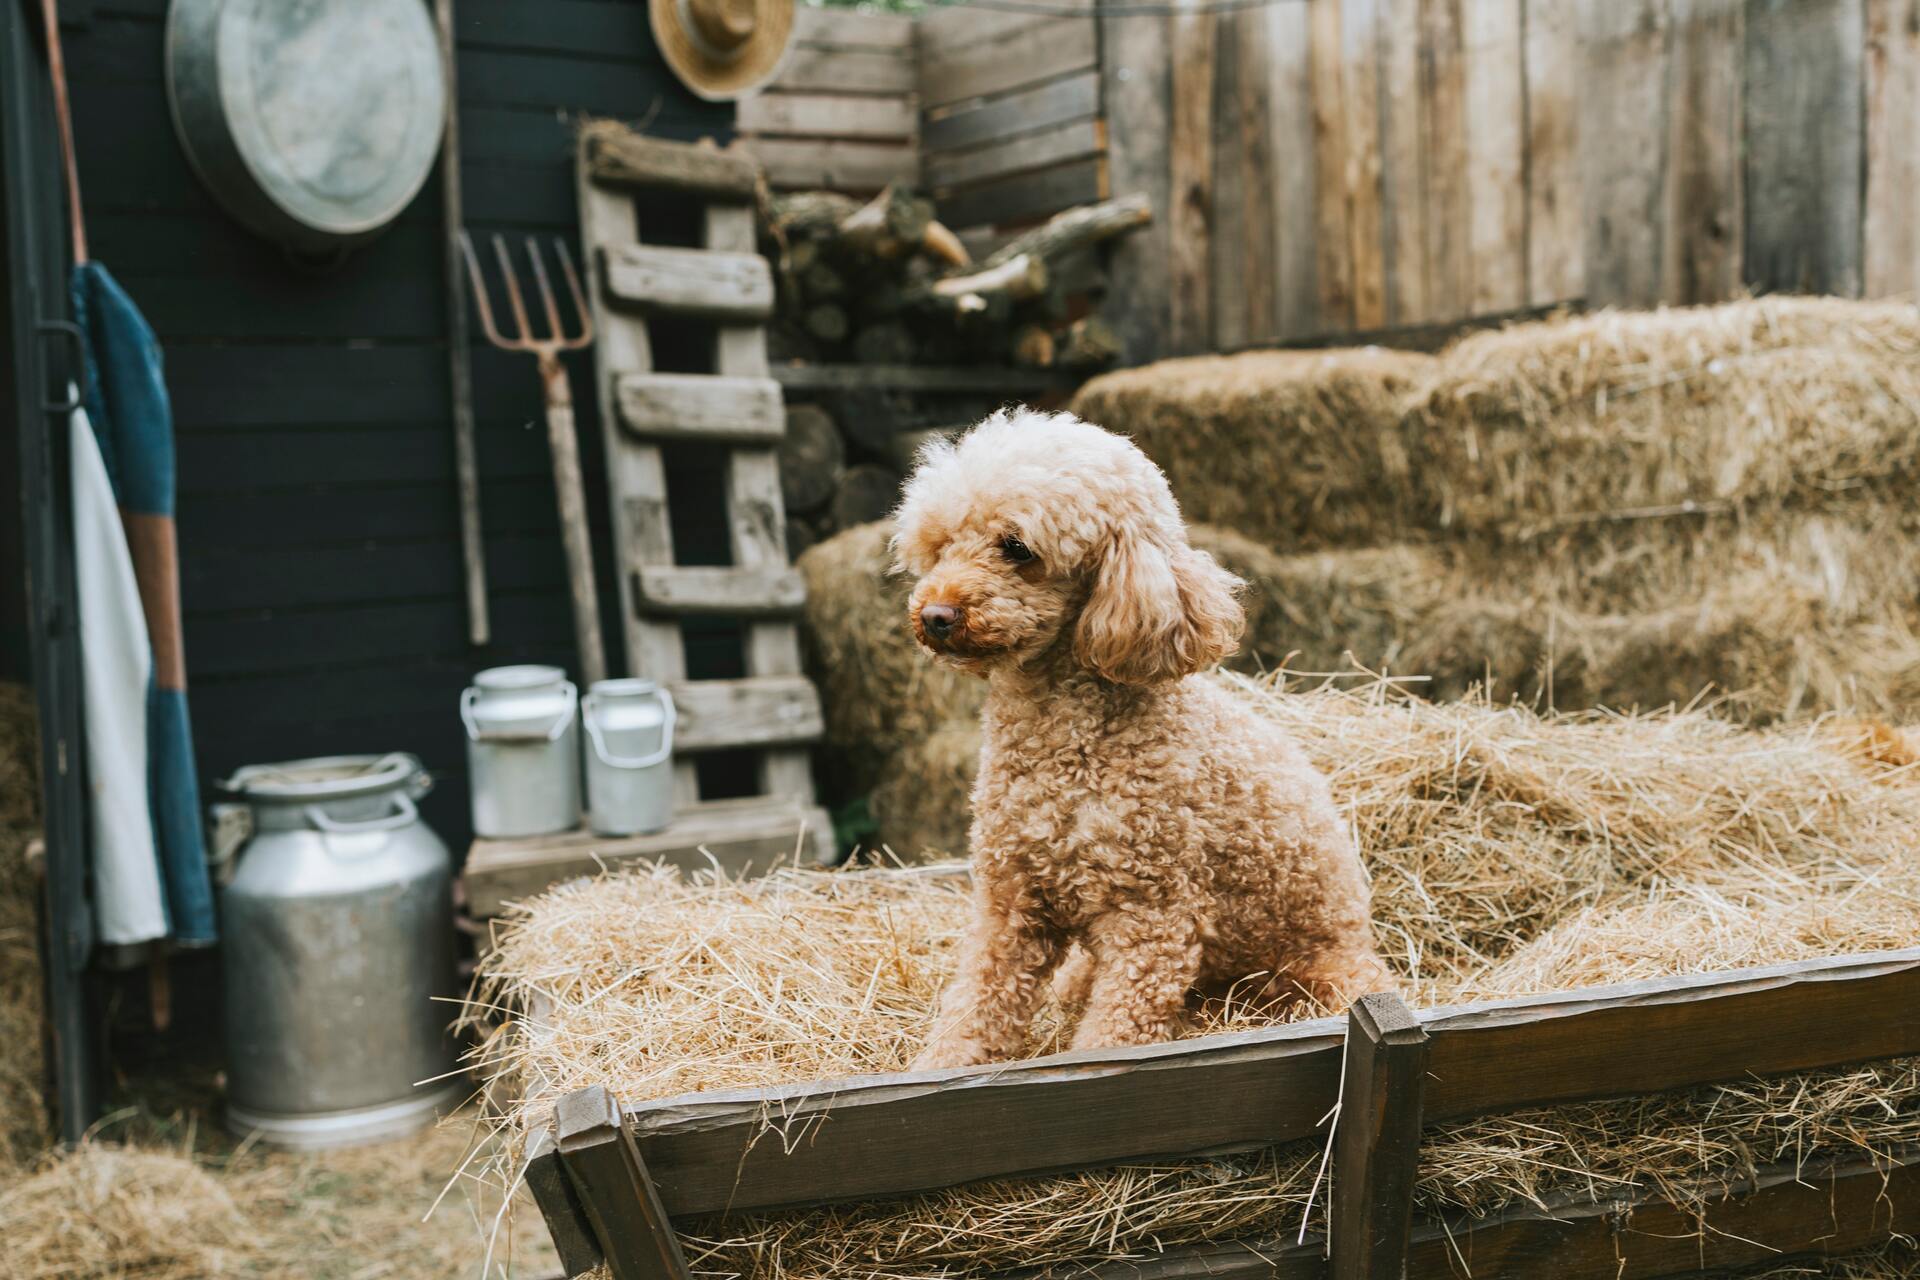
[
  {"x": 694, "y": 405},
  {"x": 724, "y": 286},
  {"x": 700, "y": 589},
  {"x": 756, "y": 711}
]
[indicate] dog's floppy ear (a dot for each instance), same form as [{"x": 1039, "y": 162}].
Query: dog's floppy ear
[{"x": 1157, "y": 612}]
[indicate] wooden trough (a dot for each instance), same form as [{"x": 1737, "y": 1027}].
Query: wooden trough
[{"x": 610, "y": 1181}]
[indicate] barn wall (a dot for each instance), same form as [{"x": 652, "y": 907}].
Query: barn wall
[{"x": 318, "y": 519}]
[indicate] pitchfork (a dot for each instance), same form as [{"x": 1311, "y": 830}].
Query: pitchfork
[{"x": 560, "y": 435}]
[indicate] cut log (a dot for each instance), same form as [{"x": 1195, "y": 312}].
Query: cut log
[
  {"x": 884, "y": 344},
  {"x": 619, "y": 157},
  {"x": 827, "y": 322},
  {"x": 867, "y": 492},
  {"x": 1033, "y": 347},
  {"x": 1071, "y": 228},
  {"x": 810, "y": 213},
  {"x": 945, "y": 245},
  {"x": 1016, "y": 278},
  {"x": 812, "y": 460},
  {"x": 820, "y": 282},
  {"x": 1090, "y": 343},
  {"x": 889, "y": 224}
]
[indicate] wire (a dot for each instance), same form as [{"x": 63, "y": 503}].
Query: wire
[{"x": 1106, "y": 10}]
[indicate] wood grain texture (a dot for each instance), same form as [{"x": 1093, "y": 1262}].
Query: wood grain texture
[
  {"x": 750, "y": 712},
  {"x": 1360, "y": 85},
  {"x": 1294, "y": 182},
  {"x": 836, "y": 70},
  {"x": 1701, "y": 255},
  {"x": 851, "y": 28},
  {"x": 1069, "y": 98},
  {"x": 1023, "y": 56},
  {"x": 856, "y": 165},
  {"x": 680, "y": 406},
  {"x": 732, "y": 286},
  {"x": 1623, "y": 136},
  {"x": 1333, "y": 239},
  {"x": 744, "y": 837},
  {"x": 553, "y": 1194},
  {"x": 827, "y": 115},
  {"x": 1890, "y": 233},
  {"x": 746, "y": 593},
  {"x": 1135, "y": 86},
  {"x": 1376, "y": 1143},
  {"x": 1804, "y": 145},
  {"x": 1556, "y": 235},
  {"x": 1190, "y": 143},
  {"x": 1227, "y": 270},
  {"x": 1057, "y": 144},
  {"x": 628, "y": 159},
  {"x": 1025, "y": 197},
  {"x": 611, "y": 1181},
  {"x": 1449, "y": 212},
  {"x": 1403, "y": 177},
  {"x": 1496, "y": 156}
]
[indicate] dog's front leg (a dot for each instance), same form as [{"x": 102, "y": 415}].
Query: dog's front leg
[
  {"x": 986, "y": 1009},
  {"x": 1145, "y": 962}
]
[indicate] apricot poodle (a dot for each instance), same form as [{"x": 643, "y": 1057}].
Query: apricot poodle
[{"x": 1178, "y": 843}]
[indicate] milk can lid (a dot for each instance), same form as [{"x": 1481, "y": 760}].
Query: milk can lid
[{"x": 325, "y": 777}]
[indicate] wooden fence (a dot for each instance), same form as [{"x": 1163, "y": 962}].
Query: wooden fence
[
  {"x": 610, "y": 1181},
  {"x": 1342, "y": 166}
]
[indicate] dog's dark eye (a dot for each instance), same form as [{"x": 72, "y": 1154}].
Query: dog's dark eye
[{"x": 1015, "y": 550}]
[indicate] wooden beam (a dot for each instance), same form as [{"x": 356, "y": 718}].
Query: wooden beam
[
  {"x": 610, "y": 1178},
  {"x": 985, "y": 380},
  {"x": 763, "y": 592},
  {"x": 892, "y": 1135},
  {"x": 618, "y": 157},
  {"x": 566, "y": 1217},
  {"x": 743, "y": 837},
  {"x": 678, "y": 406},
  {"x": 1135, "y": 74},
  {"x": 827, "y": 115},
  {"x": 754, "y": 711},
  {"x": 1623, "y": 129},
  {"x": 1074, "y": 97},
  {"x": 729, "y": 286},
  {"x": 1057, "y": 145},
  {"x": 1021, "y": 57},
  {"x": 1189, "y": 214},
  {"x": 1376, "y": 1140},
  {"x": 1556, "y": 238}
]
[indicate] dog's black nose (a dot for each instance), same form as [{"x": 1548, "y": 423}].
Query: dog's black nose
[{"x": 939, "y": 620}]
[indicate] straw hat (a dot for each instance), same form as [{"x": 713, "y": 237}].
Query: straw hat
[{"x": 722, "y": 49}]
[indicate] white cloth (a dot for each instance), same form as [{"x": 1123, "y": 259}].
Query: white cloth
[{"x": 116, "y": 663}]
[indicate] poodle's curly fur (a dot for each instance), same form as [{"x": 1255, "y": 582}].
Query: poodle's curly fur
[{"x": 1178, "y": 844}]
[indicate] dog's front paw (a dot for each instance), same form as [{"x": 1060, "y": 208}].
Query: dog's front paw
[{"x": 952, "y": 1051}]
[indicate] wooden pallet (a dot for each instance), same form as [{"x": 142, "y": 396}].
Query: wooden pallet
[{"x": 774, "y": 710}]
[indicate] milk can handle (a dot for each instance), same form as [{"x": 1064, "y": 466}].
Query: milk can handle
[
  {"x": 404, "y": 815},
  {"x": 632, "y": 762},
  {"x": 469, "y": 694}
]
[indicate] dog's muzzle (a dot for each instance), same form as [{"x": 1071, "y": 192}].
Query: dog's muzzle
[{"x": 939, "y": 620}]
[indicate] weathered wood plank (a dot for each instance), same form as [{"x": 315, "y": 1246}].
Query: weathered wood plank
[
  {"x": 733, "y": 286},
  {"x": 1027, "y": 196},
  {"x": 1290, "y": 124},
  {"x": 611, "y": 1180},
  {"x": 827, "y": 115},
  {"x": 1890, "y": 234},
  {"x": 838, "y": 164},
  {"x": 744, "y": 837},
  {"x": 1700, "y": 259},
  {"x": 893, "y": 1134},
  {"x": 627, "y": 159},
  {"x": 1496, "y": 155},
  {"x": 751, "y": 712},
  {"x": 1135, "y": 83},
  {"x": 1190, "y": 142},
  {"x": 982, "y": 379},
  {"x": 1060, "y": 144},
  {"x": 700, "y": 406},
  {"x": 1804, "y": 145},
  {"x": 949, "y": 27},
  {"x": 1360, "y": 97},
  {"x": 836, "y": 70},
  {"x": 1250, "y": 151},
  {"x": 1227, "y": 273},
  {"x": 719, "y": 589},
  {"x": 1556, "y": 236},
  {"x": 852, "y": 28},
  {"x": 1403, "y": 179},
  {"x": 553, "y": 1194},
  {"x": 1333, "y": 241},
  {"x": 1622, "y": 141},
  {"x": 1449, "y": 212},
  {"x": 1073, "y": 97},
  {"x": 1376, "y": 1139},
  {"x": 1023, "y": 56}
]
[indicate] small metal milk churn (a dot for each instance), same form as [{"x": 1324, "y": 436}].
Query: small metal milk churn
[
  {"x": 338, "y": 953},
  {"x": 523, "y": 751},
  {"x": 629, "y": 757}
]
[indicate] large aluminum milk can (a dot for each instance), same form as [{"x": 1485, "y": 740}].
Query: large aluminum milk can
[
  {"x": 523, "y": 751},
  {"x": 339, "y": 938},
  {"x": 629, "y": 756}
]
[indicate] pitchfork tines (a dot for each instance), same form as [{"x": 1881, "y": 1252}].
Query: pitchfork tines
[{"x": 547, "y": 349}]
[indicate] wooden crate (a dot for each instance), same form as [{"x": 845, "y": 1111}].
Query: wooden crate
[{"x": 610, "y": 1180}]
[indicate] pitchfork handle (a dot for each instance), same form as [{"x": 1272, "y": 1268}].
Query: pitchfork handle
[{"x": 570, "y": 494}]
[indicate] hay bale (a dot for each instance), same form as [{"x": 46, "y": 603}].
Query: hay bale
[
  {"x": 1755, "y": 402},
  {"x": 922, "y": 802},
  {"x": 106, "y": 1211},
  {"x": 1295, "y": 449},
  {"x": 1511, "y": 853}
]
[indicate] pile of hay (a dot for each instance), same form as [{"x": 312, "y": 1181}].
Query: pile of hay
[
  {"x": 905, "y": 730},
  {"x": 1511, "y": 854},
  {"x": 23, "y": 1113}
]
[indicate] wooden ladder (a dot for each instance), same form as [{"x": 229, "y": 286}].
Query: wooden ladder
[{"x": 774, "y": 710}]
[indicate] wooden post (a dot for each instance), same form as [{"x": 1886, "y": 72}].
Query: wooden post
[
  {"x": 566, "y": 1217},
  {"x": 604, "y": 1166},
  {"x": 1377, "y": 1140}
]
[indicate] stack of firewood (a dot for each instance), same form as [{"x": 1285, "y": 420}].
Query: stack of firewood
[{"x": 885, "y": 283}]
